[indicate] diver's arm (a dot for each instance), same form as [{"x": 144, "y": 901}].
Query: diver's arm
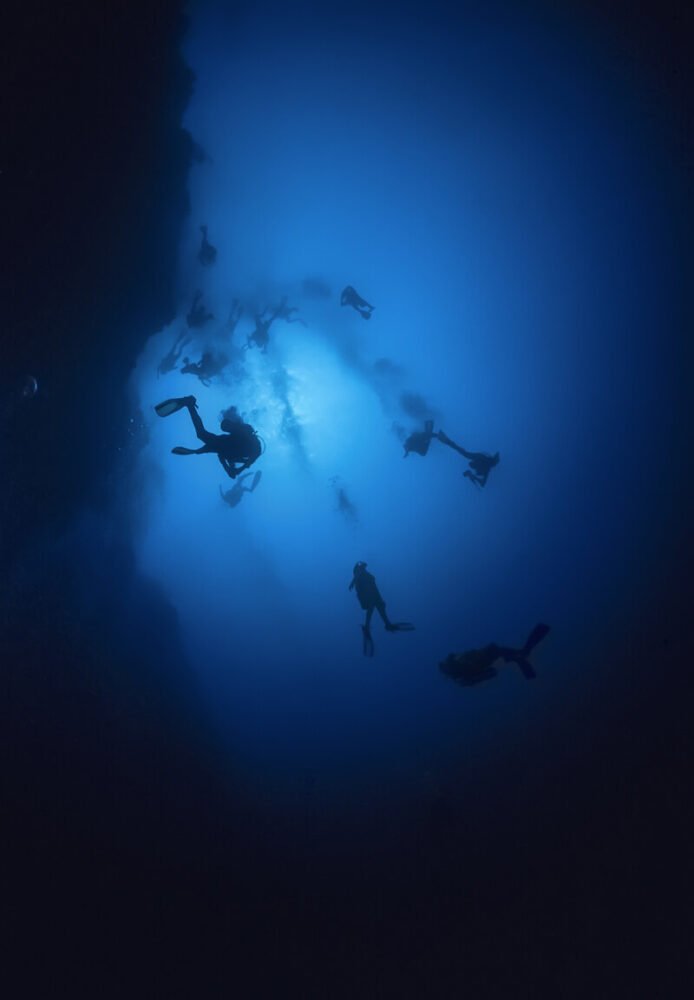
[{"x": 228, "y": 467}]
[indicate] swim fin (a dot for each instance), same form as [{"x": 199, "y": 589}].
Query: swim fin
[
  {"x": 525, "y": 669},
  {"x": 170, "y": 406},
  {"x": 535, "y": 637},
  {"x": 256, "y": 480},
  {"x": 401, "y": 627}
]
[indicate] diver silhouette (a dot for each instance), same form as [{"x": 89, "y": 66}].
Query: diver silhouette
[
  {"x": 207, "y": 254},
  {"x": 239, "y": 445},
  {"x": 207, "y": 367},
  {"x": 419, "y": 441},
  {"x": 370, "y": 599},
  {"x": 284, "y": 312},
  {"x": 480, "y": 463},
  {"x": 351, "y": 297},
  {"x": 260, "y": 337},
  {"x": 171, "y": 359},
  {"x": 198, "y": 315},
  {"x": 475, "y": 665},
  {"x": 345, "y": 506},
  {"x": 233, "y": 497}
]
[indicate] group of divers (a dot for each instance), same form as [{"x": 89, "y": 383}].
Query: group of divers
[{"x": 240, "y": 446}]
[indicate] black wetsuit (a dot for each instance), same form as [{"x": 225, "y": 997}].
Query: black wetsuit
[{"x": 240, "y": 445}]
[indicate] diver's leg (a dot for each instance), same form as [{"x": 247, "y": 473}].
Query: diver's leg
[
  {"x": 444, "y": 439},
  {"x": 368, "y": 643},
  {"x": 180, "y": 450},
  {"x": 381, "y": 608},
  {"x": 505, "y": 652},
  {"x": 204, "y": 435},
  {"x": 367, "y": 639},
  {"x": 519, "y": 657}
]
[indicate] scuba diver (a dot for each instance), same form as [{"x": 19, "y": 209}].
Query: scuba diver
[
  {"x": 261, "y": 335},
  {"x": 351, "y": 297},
  {"x": 234, "y": 496},
  {"x": 370, "y": 599},
  {"x": 475, "y": 665},
  {"x": 170, "y": 360},
  {"x": 480, "y": 463},
  {"x": 419, "y": 441},
  {"x": 344, "y": 504},
  {"x": 207, "y": 367},
  {"x": 198, "y": 315},
  {"x": 207, "y": 254},
  {"x": 284, "y": 312},
  {"x": 238, "y": 446},
  {"x": 481, "y": 466}
]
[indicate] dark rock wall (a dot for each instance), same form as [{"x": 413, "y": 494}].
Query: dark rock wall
[{"x": 105, "y": 761}]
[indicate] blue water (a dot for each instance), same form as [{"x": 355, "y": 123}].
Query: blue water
[{"x": 492, "y": 185}]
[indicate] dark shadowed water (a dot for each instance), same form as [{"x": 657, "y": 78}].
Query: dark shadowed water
[{"x": 201, "y": 758}]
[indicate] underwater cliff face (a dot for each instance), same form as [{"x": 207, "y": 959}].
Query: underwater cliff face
[{"x": 198, "y": 755}]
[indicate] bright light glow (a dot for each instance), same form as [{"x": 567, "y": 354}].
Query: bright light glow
[{"x": 480, "y": 220}]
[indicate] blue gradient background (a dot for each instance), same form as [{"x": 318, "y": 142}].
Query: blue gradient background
[{"x": 494, "y": 184}]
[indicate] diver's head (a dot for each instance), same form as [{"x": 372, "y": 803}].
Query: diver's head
[
  {"x": 359, "y": 567},
  {"x": 227, "y": 425}
]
